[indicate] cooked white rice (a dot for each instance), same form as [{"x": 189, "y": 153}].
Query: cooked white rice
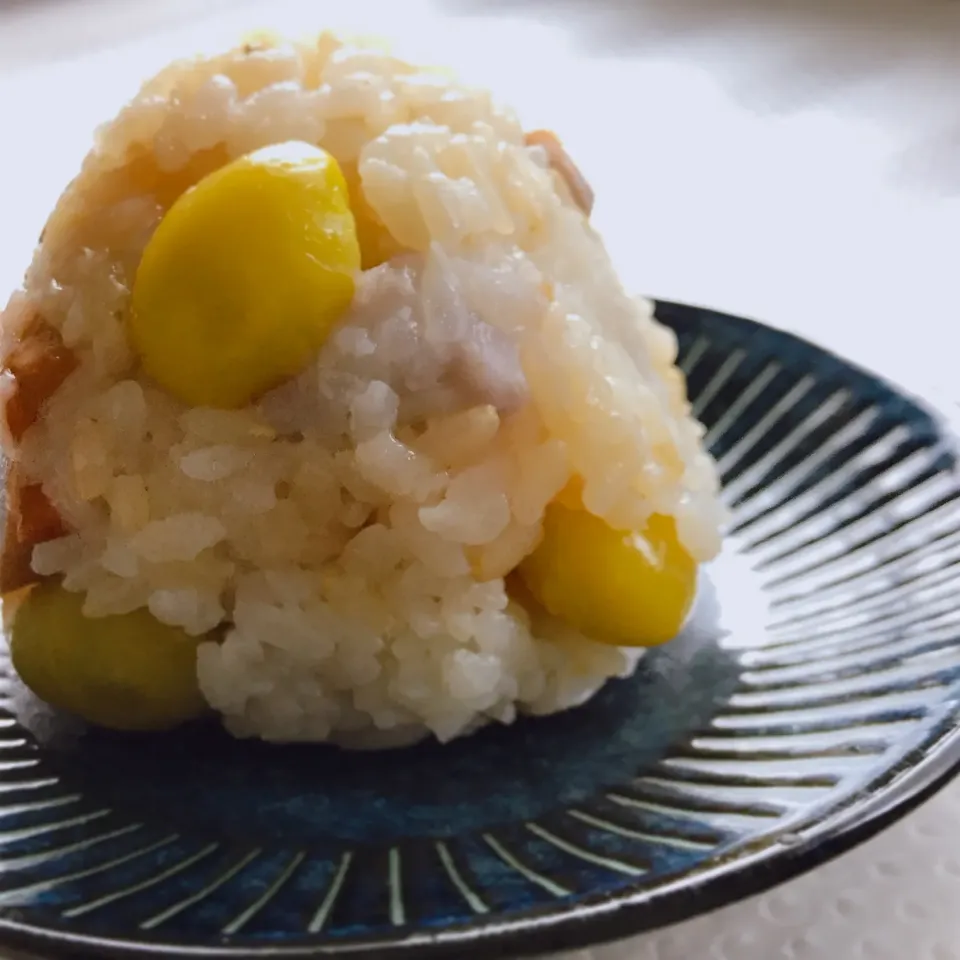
[{"x": 353, "y": 528}]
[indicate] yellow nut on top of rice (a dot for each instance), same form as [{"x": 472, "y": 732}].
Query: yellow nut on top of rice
[{"x": 412, "y": 465}]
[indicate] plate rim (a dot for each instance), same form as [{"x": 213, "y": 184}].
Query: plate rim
[
  {"x": 609, "y": 917},
  {"x": 631, "y": 909}
]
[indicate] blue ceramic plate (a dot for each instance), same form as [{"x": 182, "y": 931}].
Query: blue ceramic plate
[{"x": 813, "y": 698}]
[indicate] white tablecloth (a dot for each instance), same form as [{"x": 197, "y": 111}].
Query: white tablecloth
[{"x": 794, "y": 160}]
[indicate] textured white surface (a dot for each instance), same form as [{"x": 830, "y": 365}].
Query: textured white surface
[
  {"x": 797, "y": 160},
  {"x": 894, "y": 898}
]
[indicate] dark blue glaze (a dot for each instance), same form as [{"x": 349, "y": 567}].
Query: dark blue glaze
[
  {"x": 313, "y": 793},
  {"x": 762, "y": 740}
]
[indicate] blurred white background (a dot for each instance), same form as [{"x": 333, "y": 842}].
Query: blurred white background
[{"x": 794, "y": 160}]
